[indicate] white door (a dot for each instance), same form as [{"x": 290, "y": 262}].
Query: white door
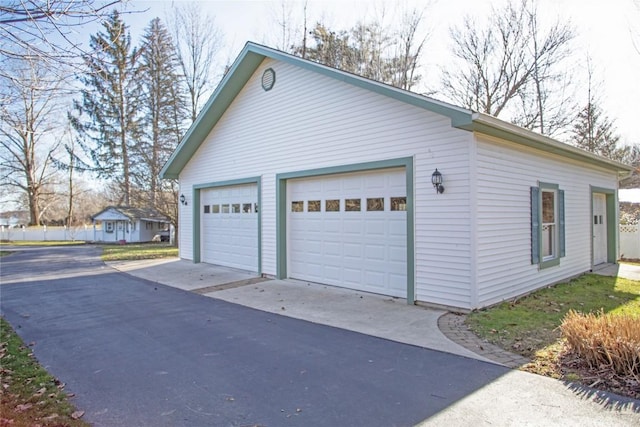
[
  {"x": 349, "y": 230},
  {"x": 229, "y": 226},
  {"x": 599, "y": 222}
]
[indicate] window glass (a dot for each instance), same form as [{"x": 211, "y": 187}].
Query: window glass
[
  {"x": 207, "y": 209},
  {"x": 224, "y": 208},
  {"x": 332, "y": 205},
  {"x": 235, "y": 208},
  {"x": 375, "y": 204},
  {"x": 398, "y": 203},
  {"x": 313, "y": 206},
  {"x": 246, "y": 208},
  {"x": 352, "y": 205},
  {"x": 548, "y": 207},
  {"x": 297, "y": 206},
  {"x": 548, "y": 224},
  {"x": 215, "y": 208}
]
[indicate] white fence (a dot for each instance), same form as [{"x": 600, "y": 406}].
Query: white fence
[
  {"x": 44, "y": 233},
  {"x": 630, "y": 241}
]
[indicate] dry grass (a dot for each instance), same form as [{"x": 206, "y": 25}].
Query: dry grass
[{"x": 602, "y": 340}]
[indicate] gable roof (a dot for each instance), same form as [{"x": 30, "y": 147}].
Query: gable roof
[
  {"x": 147, "y": 214},
  {"x": 252, "y": 56}
]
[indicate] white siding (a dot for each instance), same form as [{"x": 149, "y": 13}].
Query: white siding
[
  {"x": 311, "y": 121},
  {"x": 505, "y": 172}
]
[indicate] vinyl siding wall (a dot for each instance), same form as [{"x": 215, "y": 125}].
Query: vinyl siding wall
[
  {"x": 310, "y": 121},
  {"x": 505, "y": 172}
]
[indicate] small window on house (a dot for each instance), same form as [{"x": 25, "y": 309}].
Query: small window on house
[
  {"x": 297, "y": 206},
  {"x": 224, "y": 208},
  {"x": 207, "y": 209},
  {"x": 375, "y": 204},
  {"x": 332, "y": 205},
  {"x": 215, "y": 209},
  {"x": 148, "y": 225},
  {"x": 313, "y": 206},
  {"x": 246, "y": 208},
  {"x": 398, "y": 203},
  {"x": 352, "y": 205},
  {"x": 108, "y": 227},
  {"x": 547, "y": 225},
  {"x": 235, "y": 208}
]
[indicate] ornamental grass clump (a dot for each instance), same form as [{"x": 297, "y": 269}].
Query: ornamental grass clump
[{"x": 605, "y": 341}]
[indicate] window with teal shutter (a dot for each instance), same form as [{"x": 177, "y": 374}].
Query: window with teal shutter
[{"x": 547, "y": 225}]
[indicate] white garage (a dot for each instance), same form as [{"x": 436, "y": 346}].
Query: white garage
[
  {"x": 229, "y": 221},
  {"x": 349, "y": 230}
]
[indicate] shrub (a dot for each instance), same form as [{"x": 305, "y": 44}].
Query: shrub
[{"x": 605, "y": 340}]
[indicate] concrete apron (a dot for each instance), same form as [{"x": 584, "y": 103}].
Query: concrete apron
[{"x": 371, "y": 314}]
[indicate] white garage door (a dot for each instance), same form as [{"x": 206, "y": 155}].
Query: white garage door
[
  {"x": 229, "y": 226},
  {"x": 350, "y": 230}
]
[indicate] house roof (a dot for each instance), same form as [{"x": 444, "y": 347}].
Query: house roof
[
  {"x": 147, "y": 214},
  {"x": 252, "y": 56}
]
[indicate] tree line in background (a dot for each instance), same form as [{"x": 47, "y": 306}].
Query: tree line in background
[{"x": 132, "y": 104}]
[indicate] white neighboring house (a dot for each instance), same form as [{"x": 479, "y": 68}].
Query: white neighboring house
[
  {"x": 298, "y": 170},
  {"x": 135, "y": 225}
]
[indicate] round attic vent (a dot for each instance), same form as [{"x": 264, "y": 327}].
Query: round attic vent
[{"x": 268, "y": 79}]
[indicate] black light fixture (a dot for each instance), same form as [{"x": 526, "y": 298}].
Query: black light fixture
[
  {"x": 183, "y": 200},
  {"x": 436, "y": 180}
]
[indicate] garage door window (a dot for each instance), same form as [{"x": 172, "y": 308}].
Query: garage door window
[
  {"x": 375, "y": 204},
  {"x": 224, "y": 208},
  {"x": 207, "y": 209},
  {"x": 332, "y": 205},
  {"x": 352, "y": 205},
  {"x": 297, "y": 206},
  {"x": 215, "y": 209},
  {"x": 246, "y": 208},
  {"x": 235, "y": 208},
  {"x": 313, "y": 206},
  {"x": 398, "y": 203}
]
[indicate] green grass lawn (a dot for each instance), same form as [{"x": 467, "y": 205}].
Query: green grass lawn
[
  {"x": 29, "y": 396},
  {"x": 132, "y": 251},
  {"x": 530, "y": 324}
]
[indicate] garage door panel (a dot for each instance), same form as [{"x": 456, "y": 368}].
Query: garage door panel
[
  {"x": 230, "y": 229},
  {"x": 365, "y": 249}
]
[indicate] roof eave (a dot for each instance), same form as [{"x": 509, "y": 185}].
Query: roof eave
[{"x": 489, "y": 125}]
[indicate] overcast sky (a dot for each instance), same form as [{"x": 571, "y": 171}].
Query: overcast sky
[{"x": 605, "y": 30}]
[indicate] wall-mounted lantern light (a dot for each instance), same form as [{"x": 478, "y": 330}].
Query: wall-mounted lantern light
[
  {"x": 183, "y": 200},
  {"x": 436, "y": 180}
]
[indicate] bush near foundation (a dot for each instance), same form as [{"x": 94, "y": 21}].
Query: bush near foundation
[{"x": 605, "y": 341}]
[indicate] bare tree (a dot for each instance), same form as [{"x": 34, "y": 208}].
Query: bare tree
[
  {"x": 511, "y": 61},
  {"x": 28, "y": 124},
  {"x": 198, "y": 42},
  {"x": 46, "y": 28}
]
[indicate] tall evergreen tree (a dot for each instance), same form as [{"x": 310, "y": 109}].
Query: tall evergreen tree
[
  {"x": 595, "y": 132},
  {"x": 107, "y": 118},
  {"x": 164, "y": 106}
]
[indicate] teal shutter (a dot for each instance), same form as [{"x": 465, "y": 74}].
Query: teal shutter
[
  {"x": 535, "y": 225},
  {"x": 561, "y": 244}
]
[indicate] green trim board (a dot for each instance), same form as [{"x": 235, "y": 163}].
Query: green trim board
[
  {"x": 281, "y": 209},
  {"x": 196, "y": 212},
  {"x": 611, "y": 197}
]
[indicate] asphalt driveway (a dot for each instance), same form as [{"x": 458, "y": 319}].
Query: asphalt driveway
[{"x": 139, "y": 353}]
